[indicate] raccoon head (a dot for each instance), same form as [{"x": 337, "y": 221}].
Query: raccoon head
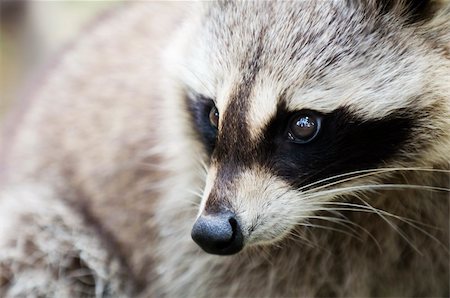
[{"x": 292, "y": 99}]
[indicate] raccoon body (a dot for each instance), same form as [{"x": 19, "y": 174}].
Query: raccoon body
[{"x": 238, "y": 149}]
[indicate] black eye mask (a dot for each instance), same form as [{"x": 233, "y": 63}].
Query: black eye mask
[
  {"x": 343, "y": 143},
  {"x": 200, "y": 108}
]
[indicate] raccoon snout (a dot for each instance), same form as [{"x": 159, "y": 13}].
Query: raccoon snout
[{"x": 218, "y": 234}]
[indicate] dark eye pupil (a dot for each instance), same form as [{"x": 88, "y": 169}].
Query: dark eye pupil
[
  {"x": 303, "y": 128},
  {"x": 214, "y": 117}
]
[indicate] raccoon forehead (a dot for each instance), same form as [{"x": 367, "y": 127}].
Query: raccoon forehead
[{"x": 315, "y": 65}]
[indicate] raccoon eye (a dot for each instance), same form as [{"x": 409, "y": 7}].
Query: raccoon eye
[
  {"x": 214, "y": 117},
  {"x": 303, "y": 127}
]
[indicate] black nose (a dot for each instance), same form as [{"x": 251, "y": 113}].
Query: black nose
[{"x": 218, "y": 234}]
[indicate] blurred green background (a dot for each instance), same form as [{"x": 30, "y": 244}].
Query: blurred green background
[{"x": 32, "y": 32}]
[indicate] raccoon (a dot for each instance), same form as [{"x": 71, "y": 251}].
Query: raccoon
[{"x": 235, "y": 149}]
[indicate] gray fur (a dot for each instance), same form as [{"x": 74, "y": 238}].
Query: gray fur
[{"x": 100, "y": 173}]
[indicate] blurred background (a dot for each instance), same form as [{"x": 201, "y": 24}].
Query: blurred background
[{"x": 32, "y": 32}]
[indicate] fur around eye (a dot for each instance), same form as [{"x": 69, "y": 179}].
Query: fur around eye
[{"x": 205, "y": 117}]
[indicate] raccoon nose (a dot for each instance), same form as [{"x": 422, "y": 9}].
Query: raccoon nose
[{"x": 218, "y": 234}]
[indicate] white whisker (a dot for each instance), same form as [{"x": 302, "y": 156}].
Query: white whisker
[
  {"x": 363, "y": 208},
  {"x": 363, "y": 173},
  {"x": 330, "y": 229},
  {"x": 349, "y": 189},
  {"x": 395, "y": 227}
]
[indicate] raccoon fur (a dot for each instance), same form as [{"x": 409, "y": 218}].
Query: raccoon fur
[{"x": 235, "y": 149}]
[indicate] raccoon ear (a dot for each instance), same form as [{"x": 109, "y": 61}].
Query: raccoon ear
[{"x": 412, "y": 11}]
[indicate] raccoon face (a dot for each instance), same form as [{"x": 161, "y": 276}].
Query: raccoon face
[{"x": 291, "y": 101}]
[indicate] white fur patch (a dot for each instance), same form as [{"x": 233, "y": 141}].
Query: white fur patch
[{"x": 263, "y": 106}]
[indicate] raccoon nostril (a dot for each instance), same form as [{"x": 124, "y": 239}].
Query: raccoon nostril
[
  {"x": 234, "y": 227},
  {"x": 218, "y": 234}
]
